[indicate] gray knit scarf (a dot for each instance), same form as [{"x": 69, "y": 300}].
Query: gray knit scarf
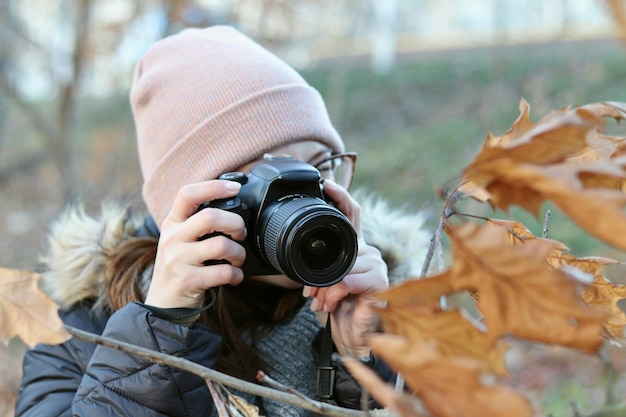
[{"x": 288, "y": 349}]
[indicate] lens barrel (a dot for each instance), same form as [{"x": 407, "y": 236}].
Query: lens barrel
[{"x": 308, "y": 240}]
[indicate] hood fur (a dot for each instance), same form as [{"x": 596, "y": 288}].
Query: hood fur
[{"x": 79, "y": 245}]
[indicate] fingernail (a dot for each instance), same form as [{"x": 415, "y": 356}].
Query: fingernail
[
  {"x": 233, "y": 186},
  {"x": 314, "y": 304},
  {"x": 306, "y": 291}
]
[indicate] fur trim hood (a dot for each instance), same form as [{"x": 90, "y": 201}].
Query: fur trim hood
[{"x": 79, "y": 245}]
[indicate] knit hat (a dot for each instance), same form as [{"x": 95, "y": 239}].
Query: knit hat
[{"x": 208, "y": 101}]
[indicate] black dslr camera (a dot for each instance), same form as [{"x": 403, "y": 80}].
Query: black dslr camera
[{"x": 292, "y": 230}]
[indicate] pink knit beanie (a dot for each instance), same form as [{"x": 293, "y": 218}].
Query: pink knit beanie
[{"x": 207, "y": 101}]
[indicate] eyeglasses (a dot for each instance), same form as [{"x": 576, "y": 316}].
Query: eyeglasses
[{"x": 339, "y": 167}]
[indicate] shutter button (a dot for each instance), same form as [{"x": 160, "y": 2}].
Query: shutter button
[{"x": 236, "y": 176}]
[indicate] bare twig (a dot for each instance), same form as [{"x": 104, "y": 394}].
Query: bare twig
[
  {"x": 448, "y": 210},
  {"x": 218, "y": 399},
  {"x": 213, "y": 375},
  {"x": 266, "y": 379},
  {"x": 611, "y": 378},
  {"x": 544, "y": 232}
]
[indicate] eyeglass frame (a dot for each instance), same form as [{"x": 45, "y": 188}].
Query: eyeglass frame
[{"x": 350, "y": 155}]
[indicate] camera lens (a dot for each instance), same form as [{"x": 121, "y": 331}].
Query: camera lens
[
  {"x": 319, "y": 247},
  {"x": 308, "y": 240}
]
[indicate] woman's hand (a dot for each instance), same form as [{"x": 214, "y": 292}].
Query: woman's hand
[
  {"x": 180, "y": 277},
  {"x": 369, "y": 273},
  {"x": 348, "y": 300}
]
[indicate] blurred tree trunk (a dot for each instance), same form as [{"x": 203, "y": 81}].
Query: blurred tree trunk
[
  {"x": 61, "y": 143},
  {"x": 10, "y": 34},
  {"x": 58, "y": 131}
]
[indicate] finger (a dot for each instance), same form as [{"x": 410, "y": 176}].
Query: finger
[
  {"x": 308, "y": 291},
  {"x": 345, "y": 203},
  {"x": 206, "y": 277},
  {"x": 318, "y": 299},
  {"x": 327, "y": 298},
  {"x": 217, "y": 248},
  {"x": 186, "y": 285},
  {"x": 191, "y": 196},
  {"x": 332, "y": 297},
  {"x": 212, "y": 220}
]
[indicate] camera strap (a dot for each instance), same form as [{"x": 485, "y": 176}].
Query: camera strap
[{"x": 325, "y": 370}]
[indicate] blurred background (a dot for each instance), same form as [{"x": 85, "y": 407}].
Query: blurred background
[{"x": 414, "y": 86}]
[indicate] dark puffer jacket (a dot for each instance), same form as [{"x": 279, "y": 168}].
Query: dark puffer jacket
[{"x": 78, "y": 378}]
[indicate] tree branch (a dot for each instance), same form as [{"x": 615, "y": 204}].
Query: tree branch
[
  {"x": 448, "y": 210},
  {"x": 213, "y": 375}
]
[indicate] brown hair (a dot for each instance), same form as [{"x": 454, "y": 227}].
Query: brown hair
[{"x": 252, "y": 307}]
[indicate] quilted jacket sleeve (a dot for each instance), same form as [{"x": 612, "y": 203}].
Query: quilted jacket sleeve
[
  {"x": 118, "y": 384},
  {"x": 52, "y": 373}
]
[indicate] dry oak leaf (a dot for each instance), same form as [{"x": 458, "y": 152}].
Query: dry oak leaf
[
  {"x": 599, "y": 145},
  {"x": 453, "y": 334},
  {"x": 614, "y": 109},
  {"x": 554, "y": 138},
  {"x": 448, "y": 387},
  {"x": 518, "y": 233},
  {"x": 590, "y": 264},
  {"x": 600, "y": 294},
  {"x": 604, "y": 295},
  {"x": 518, "y": 134},
  {"x": 228, "y": 404},
  {"x": 26, "y": 312},
  {"x": 559, "y": 256},
  {"x": 559, "y": 136},
  {"x": 587, "y": 192},
  {"x": 399, "y": 402},
  {"x": 519, "y": 293}
]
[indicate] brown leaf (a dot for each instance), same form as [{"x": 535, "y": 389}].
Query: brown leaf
[
  {"x": 520, "y": 126},
  {"x": 591, "y": 265},
  {"x": 243, "y": 407},
  {"x": 425, "y": 292},
  {"x": 26, "y": 312},
  {"x": 518, "y": 233},
  {"x": 560, "y": 136},
  {"x": 614, "y": 109},
  {"x": 401, "y": 403},
  {"x": 228, "y": 404},
  {"x": 599, "y": 145},
  {"x": 604, "y": 295},
  {"x": 588, "y": 193},
  {"x": 601, "y": 294},
  {"x": 454, "y": 335},
  {"x": 448, "y": 387},
  {"x": 551, "y": 140},
  {"x": 565, "y": 159},
  {"x": 519, "y": 293}
]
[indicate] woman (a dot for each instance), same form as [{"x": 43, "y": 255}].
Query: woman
[{"x": 205, "y": 102}]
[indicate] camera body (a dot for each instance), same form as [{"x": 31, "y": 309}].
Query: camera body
[{"x": 292, "y": 229}]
